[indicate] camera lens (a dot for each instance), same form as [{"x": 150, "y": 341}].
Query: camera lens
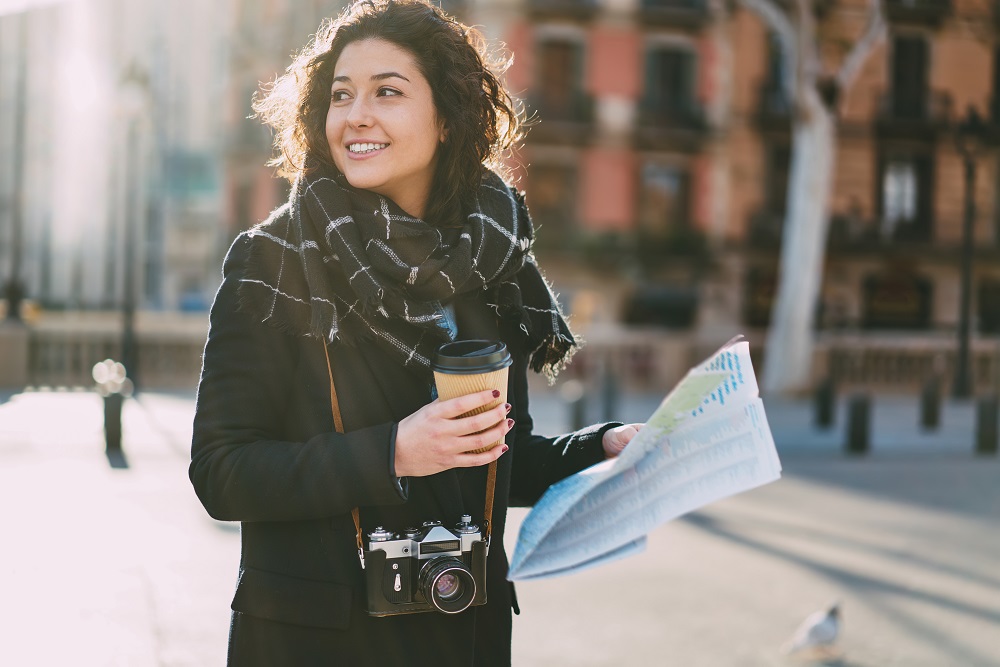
[
  {"x": 447, "y": 587},
  {"x": 447, "y": 584}
]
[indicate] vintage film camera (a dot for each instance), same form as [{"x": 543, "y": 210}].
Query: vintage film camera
[{"x": 427, "y": 569}]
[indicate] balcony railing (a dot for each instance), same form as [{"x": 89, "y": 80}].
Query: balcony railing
[
  {"x": 564, "y": 122},
  {"x": 678, "y": 128},
  {"x": 62, "y": 351},
  {"x": 918, "y": 12},
  {"x": 574, "y": 9},
  {"x": 912, "y": 117},
  {"x": 892, "y": 363},
  {"x": 692, "y": 14}
]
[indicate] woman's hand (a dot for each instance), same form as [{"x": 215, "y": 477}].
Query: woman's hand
[
  {"x": 432, "y": 439},
  {"x": 615, "y": 439}
]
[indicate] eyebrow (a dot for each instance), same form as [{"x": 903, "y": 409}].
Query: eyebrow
[{"x": 375, "y": 77}]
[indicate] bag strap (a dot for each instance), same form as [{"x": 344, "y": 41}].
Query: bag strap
[{"x": 338, "y": 423}]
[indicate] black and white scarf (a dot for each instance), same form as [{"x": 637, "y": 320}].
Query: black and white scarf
[{"x": 340, "y": 263}]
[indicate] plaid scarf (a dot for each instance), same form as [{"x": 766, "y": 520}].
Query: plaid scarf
[{"x": 344, "y": 264}]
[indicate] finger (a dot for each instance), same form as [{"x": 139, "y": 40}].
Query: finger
[
  {"x": 470, "y": 460},
  {"x": 485, "y": 438},
  {"x": 480, "y": 422},
  {"x": 627, "y": 434},
  {"x": 454, "y": 407}
]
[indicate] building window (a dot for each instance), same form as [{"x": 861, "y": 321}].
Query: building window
[
  {"x": 988, "y": 300},
  {"x": 899, "y": 190},
  {"x": 774, "y": 97},
  {"x": 905, "y": 190},
  {"x": 670, "y": 85},
  {"x": 896, "y": 301},
  {"x": 551, "y": 197},
  {"x": 758, "y": 298},
  {"x": 664, "y": 199},
  {"x": 909, "y": 78},
  {"x": 560, "y": 95}
]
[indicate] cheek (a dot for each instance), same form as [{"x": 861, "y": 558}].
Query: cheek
[{"x": 334, "y": 131}]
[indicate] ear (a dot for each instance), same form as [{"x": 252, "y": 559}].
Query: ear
[{"x": 442, "y": 131}]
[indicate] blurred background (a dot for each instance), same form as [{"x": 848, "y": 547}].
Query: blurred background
[
  {"x": 818, "y": 175},
  {"x": 657, "y": 173}
]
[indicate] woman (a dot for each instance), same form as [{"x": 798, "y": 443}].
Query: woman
[{"x": 396, "y": 238}]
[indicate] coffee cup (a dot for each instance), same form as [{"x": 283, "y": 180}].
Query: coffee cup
[{"x": 469, "y": 366}]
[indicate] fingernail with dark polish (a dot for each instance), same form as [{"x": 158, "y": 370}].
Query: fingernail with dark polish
[
  {"x": 510, "y": 423},
  {"x": 504, "y": 449},
  {"x": 496, "y": 393},
  {"x": 507, "y": 406}
]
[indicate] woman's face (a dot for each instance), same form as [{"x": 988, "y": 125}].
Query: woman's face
[{"x": 382, "y": 126}]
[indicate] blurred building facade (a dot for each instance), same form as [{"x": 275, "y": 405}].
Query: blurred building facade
[
  {"x": 656, "y": 170},
  {"x": 661, "y": 160}
]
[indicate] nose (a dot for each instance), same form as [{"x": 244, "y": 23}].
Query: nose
[{"x": 360, "y": 113}]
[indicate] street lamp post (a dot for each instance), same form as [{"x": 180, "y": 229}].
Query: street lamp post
[
  {"x": 132, "y": 105},
  {"x": 969, "y": 136},
  {"x": 14, "y": 287}
]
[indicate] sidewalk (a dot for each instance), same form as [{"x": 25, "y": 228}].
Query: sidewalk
[{"x": 105, "y": 566}]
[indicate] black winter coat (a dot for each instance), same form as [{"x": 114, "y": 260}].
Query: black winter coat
[{"x": 265, "y": 453}]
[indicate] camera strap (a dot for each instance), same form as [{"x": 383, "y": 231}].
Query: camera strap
[{"x": 338, "y": 423}]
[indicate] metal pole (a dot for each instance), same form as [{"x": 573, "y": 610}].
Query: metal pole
[
  {"x": 129, "y": 352},
  {"x": 14, "y": 289},
  {"x": 963, "y": 384}
]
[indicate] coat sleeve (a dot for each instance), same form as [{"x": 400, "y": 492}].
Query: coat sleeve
[
  {"x": 540, "y": 461},
  {"x": 241, "y": 468}
]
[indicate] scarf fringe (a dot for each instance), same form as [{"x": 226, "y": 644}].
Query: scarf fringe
[{"x": 553, "y": 355}]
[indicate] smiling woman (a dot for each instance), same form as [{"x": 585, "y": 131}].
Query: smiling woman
[
  {"x": 461, "y": 71},
  {"x": 383, "y": 127},
  {"x": 400, "y": 235}
]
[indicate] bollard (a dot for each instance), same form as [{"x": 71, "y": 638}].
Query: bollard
[
  {"x": 114, "y": 387},
  {"x": 858, "y": 424},
  {"x": 113, "y": 422},
  {"x": 825, "y": 400},
  {"x": 930, "y": 404},
  {"x": 987, "y": 412}
]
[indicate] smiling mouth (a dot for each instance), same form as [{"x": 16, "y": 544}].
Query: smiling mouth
[{"x": 361, "y": 149}]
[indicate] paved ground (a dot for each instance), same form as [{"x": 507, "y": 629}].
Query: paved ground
[{"x": 120, "y": 566}]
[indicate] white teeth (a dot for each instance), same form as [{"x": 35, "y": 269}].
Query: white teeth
[{"x": 365, "y": 148}]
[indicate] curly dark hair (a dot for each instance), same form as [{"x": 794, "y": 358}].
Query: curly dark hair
[{"x": 484, "y": 121}]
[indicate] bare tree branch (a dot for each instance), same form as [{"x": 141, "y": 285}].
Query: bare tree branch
[
  {"x": 809, "y": 61},
  {"x": 778, "y": 20},
  {"x": 874, "y": 33}
]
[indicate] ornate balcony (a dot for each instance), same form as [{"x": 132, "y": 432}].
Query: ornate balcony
[
  {"x": 691, "y": 14},
  {"x": 572, "y": 9},
  {"x": 902, "y": 117},
  {"x": 683, "y": 129},
  {"x": 569, "y": 121},
  {"x": 918, "y": 12}
]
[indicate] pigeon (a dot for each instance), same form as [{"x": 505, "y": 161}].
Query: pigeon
[{"x": 818, "y": 632}]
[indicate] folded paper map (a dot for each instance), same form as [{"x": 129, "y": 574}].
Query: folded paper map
[{"x": 708, "y": 440}]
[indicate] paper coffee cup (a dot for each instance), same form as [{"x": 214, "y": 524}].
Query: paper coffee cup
[{"x": 469, "y": 366}]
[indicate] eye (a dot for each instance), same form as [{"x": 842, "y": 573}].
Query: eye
[
  {"x": 386, "y": 91},
  {"x": 339, "y": 95}
]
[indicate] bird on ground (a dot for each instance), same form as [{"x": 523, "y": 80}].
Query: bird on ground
[{"x": 817, "y": 633}]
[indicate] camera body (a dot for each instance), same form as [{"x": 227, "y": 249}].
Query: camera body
[{"x": 427, "y": 569}]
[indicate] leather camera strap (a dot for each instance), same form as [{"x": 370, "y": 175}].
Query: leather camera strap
[{"x": 338, "y": 422}]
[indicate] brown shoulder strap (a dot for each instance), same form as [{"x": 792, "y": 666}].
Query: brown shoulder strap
[
  {"x": 491, "y": 482},
  {"x": 338, "y": 423}
]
